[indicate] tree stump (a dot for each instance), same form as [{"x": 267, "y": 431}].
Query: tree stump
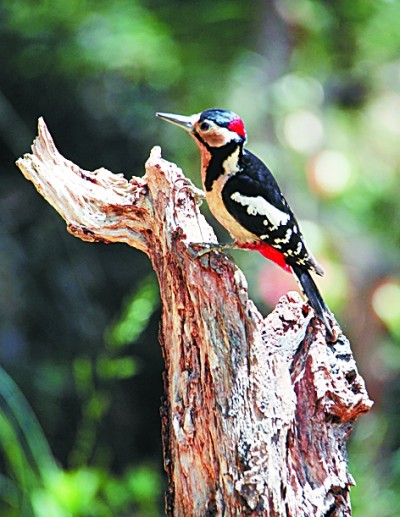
[{"x": 256, "y": 412}]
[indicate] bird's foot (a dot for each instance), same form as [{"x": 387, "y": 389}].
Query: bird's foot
[
  {"x": 197, "y": 193},
  {"x": 208, "y": 247}
]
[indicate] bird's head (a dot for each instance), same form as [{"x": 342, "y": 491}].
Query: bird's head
[{"x": 211, "y": 128}]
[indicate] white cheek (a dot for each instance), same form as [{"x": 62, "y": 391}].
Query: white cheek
[{"x": 220, "y": 137}]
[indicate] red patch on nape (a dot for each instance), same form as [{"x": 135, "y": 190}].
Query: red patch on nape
[
  {"x": 238, "y": 127},
  {"x": 270, "y": 253}
]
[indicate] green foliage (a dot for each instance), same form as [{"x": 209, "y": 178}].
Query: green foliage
[
  {"x": 24, "y": 446},
  {"x": 91, "y": 377},
  {"x": 136, "y": 315},
  {"x": 121, "y": 37},
  {"x": 370, "y": 468},
  {"x": 91, "y": 492},
  {"x": 37, "y": 487}
]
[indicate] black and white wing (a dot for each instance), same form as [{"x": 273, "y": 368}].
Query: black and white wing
[{"x": 252, "y": 196}]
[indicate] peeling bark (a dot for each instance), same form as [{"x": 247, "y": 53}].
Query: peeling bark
[{"x": 256, "y": 412}]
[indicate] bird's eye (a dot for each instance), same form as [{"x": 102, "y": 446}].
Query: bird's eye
[{"x": 204, "y": 126}]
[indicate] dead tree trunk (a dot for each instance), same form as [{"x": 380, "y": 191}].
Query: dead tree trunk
[{"x": 256, "y": 412}]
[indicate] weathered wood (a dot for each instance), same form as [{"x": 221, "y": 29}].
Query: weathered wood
[{"x": 256, "y": 412}]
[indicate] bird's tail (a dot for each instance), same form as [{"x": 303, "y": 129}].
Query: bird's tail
[{"x": 314, "y": 297}]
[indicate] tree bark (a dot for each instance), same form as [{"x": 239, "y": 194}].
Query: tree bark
[{"x": 256, "y": 412}]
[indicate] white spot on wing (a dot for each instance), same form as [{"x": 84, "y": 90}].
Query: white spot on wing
[
  {"x": 298, "y": 249},
  {"x": 260, "y": 206},
  {"x": 286, "y": 238}
]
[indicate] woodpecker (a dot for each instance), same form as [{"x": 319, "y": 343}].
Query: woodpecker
[{"x": 245, "y": 198}]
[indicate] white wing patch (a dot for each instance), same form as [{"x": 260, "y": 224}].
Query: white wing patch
[{"x": 260, "y": 206}]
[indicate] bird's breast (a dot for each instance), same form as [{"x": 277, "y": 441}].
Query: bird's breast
[{"x": 217, "y": 207}]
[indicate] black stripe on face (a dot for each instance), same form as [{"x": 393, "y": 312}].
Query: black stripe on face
[
  {"x": 215, "y": 167},
  {"x": 198, "y": 137}
]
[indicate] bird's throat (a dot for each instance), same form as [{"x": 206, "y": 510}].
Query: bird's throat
[{"x": 219, "y": 161}]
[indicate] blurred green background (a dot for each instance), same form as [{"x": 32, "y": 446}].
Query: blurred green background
[{"x": 318, "y": 85}]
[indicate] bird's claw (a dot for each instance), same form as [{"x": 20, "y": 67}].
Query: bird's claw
[
  {"x": 197, "y": 193},
  {"x": 210, "y": 246},
  {"x": 205, "y": 248}
]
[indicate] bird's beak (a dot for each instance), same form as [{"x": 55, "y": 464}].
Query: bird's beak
[{"x": 179, "y": 120}]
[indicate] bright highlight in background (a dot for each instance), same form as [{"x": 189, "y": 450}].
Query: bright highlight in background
[
  {"x": 386, "y": 304},
  {"x": 385, "y": 112},
  {"x": 303, "y": 131},
  {"x": 331, "y": 172}
]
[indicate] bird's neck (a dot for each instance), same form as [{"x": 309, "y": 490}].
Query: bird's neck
[{"x": 219, "y": 161}]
